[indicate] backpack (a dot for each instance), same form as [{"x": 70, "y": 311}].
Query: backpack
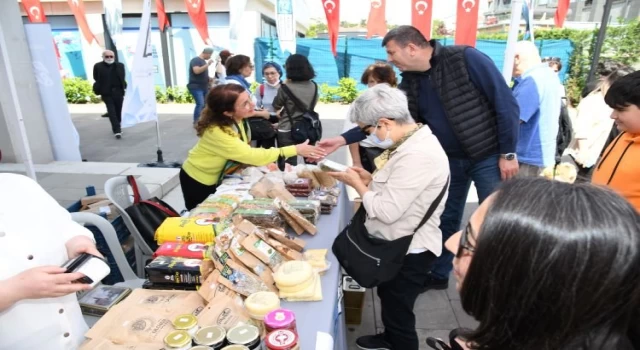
[
  {"x": 309, "y": 126},
  {"x": 565, "y": 131}
]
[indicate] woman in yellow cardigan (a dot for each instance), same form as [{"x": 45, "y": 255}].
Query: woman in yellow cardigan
[{"x": 225, "y": 143}]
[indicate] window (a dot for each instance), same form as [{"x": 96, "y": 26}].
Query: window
[{"x": 268, "y": 28}]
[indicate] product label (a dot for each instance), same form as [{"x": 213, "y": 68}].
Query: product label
[{"x": 264, "y": 248}]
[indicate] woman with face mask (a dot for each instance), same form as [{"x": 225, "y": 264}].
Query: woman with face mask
[
  {"x": 412, "y": 175},
  {"x": 265, "y": 94},
  {"x": 545, "y": 265}
]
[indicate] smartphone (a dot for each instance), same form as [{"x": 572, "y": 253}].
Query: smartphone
[{"x": 92, "y": 267}]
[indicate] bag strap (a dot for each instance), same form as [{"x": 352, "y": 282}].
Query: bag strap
[
  {"x": 134, "y": 185},
  {"x": 301, "y": 106},
  {"x": 433, "y": 206},
  {"x": 160, "y": 207},
  {"x": 261, "y": 91}
]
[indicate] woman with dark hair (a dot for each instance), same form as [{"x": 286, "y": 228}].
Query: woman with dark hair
[
  {"x": 224, "y": 144},
  {"x": 239, "y": 68},
  {"x": 592, "y": 127},
  {"x": 265, "y": 94},
  {"x": 221, "y": 70},
  {"x": 300, "y": 84},
  {"x": 364, "y": 152},
  {"x": 547, "y": 265}
]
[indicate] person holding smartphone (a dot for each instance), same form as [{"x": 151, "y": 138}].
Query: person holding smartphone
[{"x": 38, "y": 305}]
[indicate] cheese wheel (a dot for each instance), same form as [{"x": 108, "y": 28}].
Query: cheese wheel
[
  {"x": 297, "y": 287},
  {"x": 261, "y": 303},
  {"x": 305, "y": 293},
  {"x": 292, "y": 273},
  {"x": 315, "y": 295},
  {"x": 317, "y": 258}
]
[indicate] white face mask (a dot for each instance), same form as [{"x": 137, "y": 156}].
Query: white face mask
[
  {"x": 273, "y": 85},
  {"x": 384, "y": 144},
  {"x": 109, "y": 60}
]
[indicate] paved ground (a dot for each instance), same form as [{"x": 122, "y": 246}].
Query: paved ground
[{"x": 437, "y": 312}]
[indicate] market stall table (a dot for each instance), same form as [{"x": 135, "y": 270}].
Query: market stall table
[{"x": 324, "y": 316}]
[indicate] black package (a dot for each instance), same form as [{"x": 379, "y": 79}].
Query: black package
[
  {"x": 168, "y": 269},
  {"x": 169, "y": 286}
]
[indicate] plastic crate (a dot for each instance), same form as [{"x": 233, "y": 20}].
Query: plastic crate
[{"x": 101, "y": 244}]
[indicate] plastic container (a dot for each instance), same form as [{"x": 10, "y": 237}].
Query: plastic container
[
  {"x": 280, "y": 319},
  {"x": 282, "y": 339}
]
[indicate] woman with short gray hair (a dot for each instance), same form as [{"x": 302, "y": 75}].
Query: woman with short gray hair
[{"x": 412, "y": 176}]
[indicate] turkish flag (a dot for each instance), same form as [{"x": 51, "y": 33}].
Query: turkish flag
[
  {"x": 163, "y": 21},
  {"x": 34, "y": 10},
  {"x": 77, "y": 8},
  {"x": 561, "y": 13},
  {"x": 198, "y": 17},
  {"x": 377, "y": 24},
  {"x": 467, "y": 22},
  {"x": 332, "y": 11},
  {"x": 421, "y": 13}
]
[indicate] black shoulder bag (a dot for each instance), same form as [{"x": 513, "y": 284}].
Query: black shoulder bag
[
  {"x": 309, "y": 126},
  {"x": 371, "y": 260}
]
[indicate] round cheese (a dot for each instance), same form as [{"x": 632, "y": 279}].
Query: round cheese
[
  {"x": 261, "y": 303},
  {"x": 298, "y": 287},
  {"x": 293, "y": 273}
]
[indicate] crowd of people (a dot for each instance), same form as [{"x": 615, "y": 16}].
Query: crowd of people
[
  {"x": 541, "y": 264},
  {"x": 452, "y": 120}
]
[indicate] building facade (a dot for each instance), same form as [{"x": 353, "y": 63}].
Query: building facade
[{"x": 173, "y": 49}]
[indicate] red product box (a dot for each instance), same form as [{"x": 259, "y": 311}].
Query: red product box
[{"x": 182, "y": 250}]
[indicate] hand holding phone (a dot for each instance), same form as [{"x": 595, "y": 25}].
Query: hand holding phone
[{"x": 93, "y": 269}]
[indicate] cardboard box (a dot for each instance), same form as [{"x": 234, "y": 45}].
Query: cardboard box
[
  {"x": 354, "y": 296},
  {"x": 85, "y": 201}
]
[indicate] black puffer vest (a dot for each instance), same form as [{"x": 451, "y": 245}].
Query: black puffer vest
[{"x": 471, "y": 115}]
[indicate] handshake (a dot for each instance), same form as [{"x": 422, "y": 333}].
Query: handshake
[{"x": 322, "y": 149}]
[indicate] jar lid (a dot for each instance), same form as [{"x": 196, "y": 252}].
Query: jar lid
[
  {"x": 281, "y": 339},
  {"x": 200, "y": 347},
  {"x": 177, "y": 339},
  {"x": 184, "y": 322},
  {"x": 242, "y": 335},
  {"x": 212, "y": 335},
  {"x": 281, "y": 318}
]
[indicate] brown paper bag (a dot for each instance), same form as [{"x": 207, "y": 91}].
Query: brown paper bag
[
  {"x": 145, "y": 316},
  {"x": 212, "y": 289},
  {"x": 104, "y": 344}
]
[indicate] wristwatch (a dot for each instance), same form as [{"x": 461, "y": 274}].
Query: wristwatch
[{"x": 508, "y": 156}]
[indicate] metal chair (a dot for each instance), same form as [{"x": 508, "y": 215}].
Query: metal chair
[
  {"x": 110, "y": 236},
  {"x": 117, "y": 190}
]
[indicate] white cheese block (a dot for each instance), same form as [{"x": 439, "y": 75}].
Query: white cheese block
[
  {"x": 261, "y": 303},
  {"x": 293, "y": 273}
]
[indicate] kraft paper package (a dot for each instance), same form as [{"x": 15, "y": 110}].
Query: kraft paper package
[{"x": 145, "y": 316}]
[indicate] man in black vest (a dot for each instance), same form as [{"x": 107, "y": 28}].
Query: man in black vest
[
  {"x": 461, "y": 95},
  {"x": 110, "y": 85}
]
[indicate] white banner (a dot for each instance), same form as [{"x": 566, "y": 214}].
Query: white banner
[
  {"x": 113, "y": 17},
  {"x": 64, "y": 137},
  {"x": 236, "y": 9},
  {"x": 286, "y": 24},
  {"x": 140, "y": 99}
]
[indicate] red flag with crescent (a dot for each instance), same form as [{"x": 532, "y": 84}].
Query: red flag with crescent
[
  {"x": 163, "y": 20},
  {"x": 77, "y": 8},
  {"x": 34, "y": 11},
  {"x": 421, "y": 14},
  {"x": 467, "y": 22},
  {"x": 377, "y": 23},
  {"x": 332, "y": 11},
  {"x": 561, "y": 13},
  {"x": 198, "y": 16}
]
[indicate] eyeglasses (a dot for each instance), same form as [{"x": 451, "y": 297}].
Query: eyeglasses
[
  {"x": 108, "y": 56},
  {"x": 271, "y": 73},
  {"x": 464, "y": 241}
]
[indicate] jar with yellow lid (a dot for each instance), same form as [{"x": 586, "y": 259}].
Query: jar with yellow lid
[
  {"x": 178, "y": 340},
  {"x": 187, "y": 323}
]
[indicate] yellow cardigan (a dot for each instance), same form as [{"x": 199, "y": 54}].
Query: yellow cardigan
[{"x": 207, "y": 159}]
